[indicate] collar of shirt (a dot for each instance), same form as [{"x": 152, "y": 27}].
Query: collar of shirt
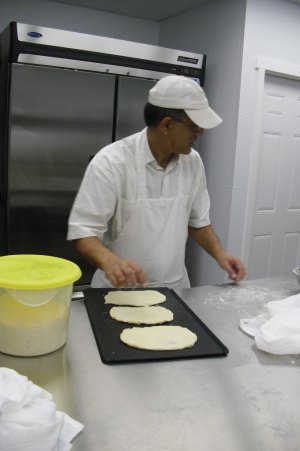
[{"x": 150, "y": 160}]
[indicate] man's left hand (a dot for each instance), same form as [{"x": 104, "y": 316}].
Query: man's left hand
[{"x": 233, "y": 266}]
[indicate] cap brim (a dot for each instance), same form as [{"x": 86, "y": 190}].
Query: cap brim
[{"x": 204, "y": 118}]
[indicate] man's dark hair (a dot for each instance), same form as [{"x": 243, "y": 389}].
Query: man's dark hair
[{"x": 154, "y": 114}]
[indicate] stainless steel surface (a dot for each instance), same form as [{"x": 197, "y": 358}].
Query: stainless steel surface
[
  {"x": 132, "y": 96},
  {"x": 90, "y": 66},
  {"x": 110, "y": 46},
  {"x": 59, "y": 118},
  {"x": 244, "y": 402}
]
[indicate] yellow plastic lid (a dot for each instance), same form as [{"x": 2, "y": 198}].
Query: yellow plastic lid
[{"x": 36, "y": 272}]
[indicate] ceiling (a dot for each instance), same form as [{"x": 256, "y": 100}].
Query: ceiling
[{"x": 154, "y": 10}]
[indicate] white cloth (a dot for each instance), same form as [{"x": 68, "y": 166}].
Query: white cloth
[
  {"x": 29, "y": 420},
  {"x": 276, "y": 331},
  {"x": 124, "y": 178}
]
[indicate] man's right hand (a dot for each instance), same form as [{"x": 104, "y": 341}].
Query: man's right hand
[{"x": 121, "y": 273}]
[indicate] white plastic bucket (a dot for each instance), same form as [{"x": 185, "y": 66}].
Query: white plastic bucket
[{"x": 35, "y": 299}]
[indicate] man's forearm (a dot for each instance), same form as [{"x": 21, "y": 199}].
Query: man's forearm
[
  {"x": 94, "y": 251},
  {"x": 121, "y": 272},
  {"x": 208, "y": 240}
]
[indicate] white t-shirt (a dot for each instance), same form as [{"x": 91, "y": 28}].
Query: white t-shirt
[{"x": 111, "y": 175}]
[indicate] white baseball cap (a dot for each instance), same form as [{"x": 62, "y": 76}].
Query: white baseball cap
[{"x": 183, "y": 93}]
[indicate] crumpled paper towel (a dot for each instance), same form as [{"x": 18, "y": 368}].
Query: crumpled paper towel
[
  {"x": 29, "y": 420},
  {"x": 277, "y": 331}
]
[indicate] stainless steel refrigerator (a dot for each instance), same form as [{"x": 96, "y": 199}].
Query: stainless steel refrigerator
[{"x": 63, "y": 96}]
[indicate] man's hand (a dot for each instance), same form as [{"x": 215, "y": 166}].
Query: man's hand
[
  {"x": 120, "y": 272},
  {"x": 124, "y": 273},
  {"x": 233, "y": 266},
  {"x": 208, "y": 240}
]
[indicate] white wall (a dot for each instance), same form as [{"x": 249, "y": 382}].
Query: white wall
[
  {"x": 57, "y": 15},
  {"x": 232, "y": 33},
  {"x": 215, "y": 29},
  {"x": 272, "y": 31}
]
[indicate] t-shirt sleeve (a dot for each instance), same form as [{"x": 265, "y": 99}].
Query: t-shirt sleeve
[{"x": 94, "y": 204}]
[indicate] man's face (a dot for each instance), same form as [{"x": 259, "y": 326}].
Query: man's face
[{"x": 183, "y": 136}]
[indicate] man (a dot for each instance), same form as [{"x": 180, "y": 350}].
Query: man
[{"x": 142, "y": 195}]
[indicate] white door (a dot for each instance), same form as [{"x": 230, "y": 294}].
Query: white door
[{"x": 275, "y": 238}]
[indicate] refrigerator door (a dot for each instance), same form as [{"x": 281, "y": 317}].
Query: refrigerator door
[
  {"x": 132, "y": 96},
  {"x": 59, "y": 119}
]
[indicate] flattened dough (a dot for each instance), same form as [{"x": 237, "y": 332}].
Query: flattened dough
[
  {"x": 137, "y": 298},
  {"x": 159, "y": 338},
  {"x": 142, "y": 315}
]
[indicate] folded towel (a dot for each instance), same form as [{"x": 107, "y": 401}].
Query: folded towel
[
  {"x": 277, "y": 331},
  {"x": 29, "y": 420}
]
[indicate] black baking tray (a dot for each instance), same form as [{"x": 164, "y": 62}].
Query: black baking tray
[{"x": 112, "y": 350}]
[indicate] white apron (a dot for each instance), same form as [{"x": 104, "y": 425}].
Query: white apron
[{"x": 162, "y": 227}]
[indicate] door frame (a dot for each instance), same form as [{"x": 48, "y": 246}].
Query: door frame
[{"x": 264, "y": 66}]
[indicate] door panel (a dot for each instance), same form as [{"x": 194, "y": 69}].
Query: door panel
[
  {"x": 132, "y": 97},
  {"x": 59, "y": 118},
  {"x": 275, "y": 247}
]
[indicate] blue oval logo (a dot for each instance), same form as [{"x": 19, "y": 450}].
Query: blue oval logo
[{"x": 34, "y": 34}]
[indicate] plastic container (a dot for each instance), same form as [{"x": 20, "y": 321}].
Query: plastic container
[{"x": 35, "y": 299}]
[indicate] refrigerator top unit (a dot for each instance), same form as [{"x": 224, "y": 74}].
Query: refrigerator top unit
[{"x": 31, "y": 44}]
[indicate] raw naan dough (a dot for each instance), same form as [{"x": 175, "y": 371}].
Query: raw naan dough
[
  {"x": 159, "y": 338},
  {"x": 141, "y": 315},
  {"x": 137, "y": 298}
]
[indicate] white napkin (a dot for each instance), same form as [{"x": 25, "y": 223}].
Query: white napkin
[
  {"x": 277, "y": 331},
  {"x": 29, "y": 420}
]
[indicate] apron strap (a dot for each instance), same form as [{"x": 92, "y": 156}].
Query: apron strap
[{"x": 141, "y": 167}]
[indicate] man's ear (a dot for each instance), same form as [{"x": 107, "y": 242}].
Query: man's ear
[{"x": 165, "y": 124}]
